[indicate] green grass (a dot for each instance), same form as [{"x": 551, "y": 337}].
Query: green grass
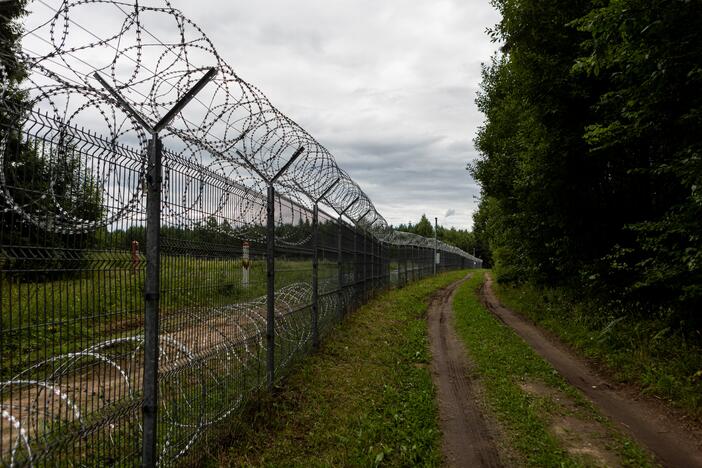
[
  {"x": 504, "y": 361},
  {"x": 41, "y": 319},
  {"x": 366, "y": 398},
  {"x": 645, "y": 352}
]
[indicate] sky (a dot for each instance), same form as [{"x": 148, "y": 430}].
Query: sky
[{"x": 388, "y": 87}]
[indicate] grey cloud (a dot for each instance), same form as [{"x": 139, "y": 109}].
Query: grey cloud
[
  {"x": 388, "y": 87},
  {"x": 385, "y": 148}
]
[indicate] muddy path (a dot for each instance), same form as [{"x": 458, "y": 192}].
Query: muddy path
[
  {"x": 467, "y": 438},
  {"x": 649, "y": 424}
]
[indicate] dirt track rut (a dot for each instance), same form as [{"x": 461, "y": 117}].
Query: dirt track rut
[
  {"x": 672, "y": 444},
  {"x": 467, "y": 440}
]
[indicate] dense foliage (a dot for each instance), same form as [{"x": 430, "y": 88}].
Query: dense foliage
[
  {"x": 591, "y": 162},
  {"x": 12, "y": 71}
]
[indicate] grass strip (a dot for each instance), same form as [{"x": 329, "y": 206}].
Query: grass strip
[
  {"x": 366, "y": 398},
  {"x": 504, "y": 364},
  {"x": 646, "y": 351}
]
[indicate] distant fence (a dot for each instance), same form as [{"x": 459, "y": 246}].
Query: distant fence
[{"x": 149, "y": 292}]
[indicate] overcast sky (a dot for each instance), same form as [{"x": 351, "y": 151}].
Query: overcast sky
[{"x": 387, "y": 86}]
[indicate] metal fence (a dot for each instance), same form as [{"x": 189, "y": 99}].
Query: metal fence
[{"x": 156, "y": 275}]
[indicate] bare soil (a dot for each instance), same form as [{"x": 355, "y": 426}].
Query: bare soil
[
  {"x": 647, "y": 422},
  {"x": 468, "y": 439},
  {"x": 578, "y": 433}
]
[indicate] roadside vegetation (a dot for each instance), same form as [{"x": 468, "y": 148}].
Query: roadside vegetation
[
  {"x": 591, "y": 160},
  {"x": 546, "y": 421},
  {"x": 590, "y": 169},
  {"x": 365, "y": 399},
  {"x": 661, "y": 360}
]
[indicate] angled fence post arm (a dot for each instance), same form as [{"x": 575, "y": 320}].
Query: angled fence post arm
[
  {"x": 121, "y": 102},
  {"x": 253, "y": 167},
  {"x": 327, "y": 190},
  {"x": 364, "y": 215},
  {"x": 187, "y": 97},
  {"x": 292, "y": 159}
]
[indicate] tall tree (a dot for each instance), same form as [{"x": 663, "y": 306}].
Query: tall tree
[
  {"x": 534, "y": 162},
  {"x": 424, "y": 227},
  {"x": 645, "y": 127},
  {"x": 590, "y": 153},
  {"x": 12, "y": 71},
  {"x": 44, "y": 180}
]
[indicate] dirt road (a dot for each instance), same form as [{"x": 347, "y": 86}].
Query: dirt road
[
  {"x": 649, "y": 424},
  {"x": 467, "y": 440}
]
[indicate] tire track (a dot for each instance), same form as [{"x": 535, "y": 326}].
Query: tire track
[
  {"x": 467, "y": 440},
  {"x": 653, "y": 428}
]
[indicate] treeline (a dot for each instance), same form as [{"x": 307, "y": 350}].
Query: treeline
[
  {"x": 591, "y": 164},
  {"x": 211, "y": 237},
  {"x": 461, "y": 238}
]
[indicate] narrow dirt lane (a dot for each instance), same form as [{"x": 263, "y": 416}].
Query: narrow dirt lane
[
  {"x": 467, "y": 440},
  {"x": 672, "y": 444}
]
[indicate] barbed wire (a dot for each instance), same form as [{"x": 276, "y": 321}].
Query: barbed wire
[
  {"x": 217, "y": 345},
  {"x": 152, "y": 70}
]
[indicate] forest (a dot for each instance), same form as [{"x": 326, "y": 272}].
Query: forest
[{"x": 590, "y": 153}]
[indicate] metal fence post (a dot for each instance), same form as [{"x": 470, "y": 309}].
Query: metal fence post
[
  {"x": 385, "y": 272},
  {"x": 152, "y": 300},
  {"x": 365, "y": 262},
  {"x": 355, "y": 264},
  {"x": 339, "y": 254},
  {"x": 385, "y": 260},
  {"x": 315, "y": 277},
  {"x": 270, "y": 260},
  {"x": 403, "y": 249},
  {"x": 412, "y": 256},
  {"x": 270, "y": 287},
  {"x": 375, "y": 270},
  {"x": 381, "y": 266},
  {"x": 370, "y": 259},
  {"x": 338, "y": 268},
  {"x": 315, "y": 263},
  {"x": 372, "y": 267},
  {"x": 433, "y": 260}
]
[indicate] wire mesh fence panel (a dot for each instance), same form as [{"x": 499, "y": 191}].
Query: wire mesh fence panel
[
  {"x": 293, "y": 273},
  {"x": 212, "y": 315},
  {"x": 328, "y": 272},
  {"x": 72, "y": 292},
  {"x": 163, "y": 257},
  {"x": 70, "y": 288}
]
